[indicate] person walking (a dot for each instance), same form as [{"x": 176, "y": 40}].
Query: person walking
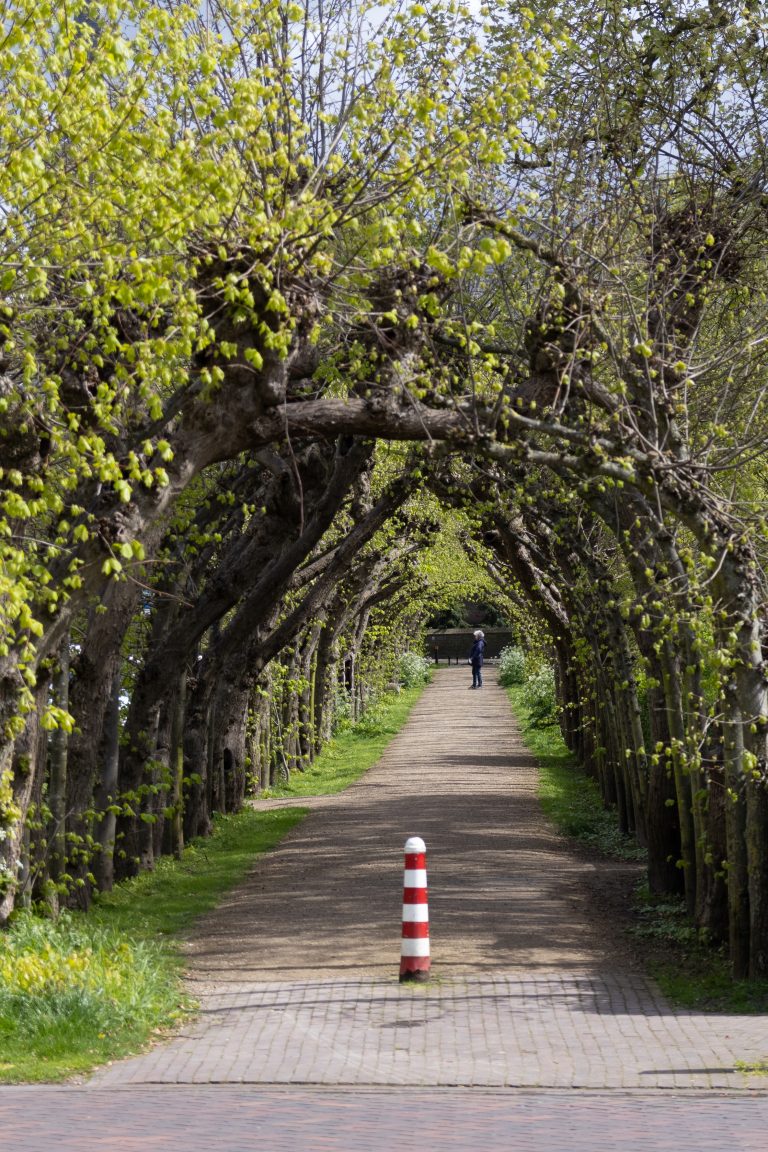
[{"x": 476, "y": 659}]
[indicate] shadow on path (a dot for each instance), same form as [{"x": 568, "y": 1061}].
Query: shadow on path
[{"x": 296, "y": 970}]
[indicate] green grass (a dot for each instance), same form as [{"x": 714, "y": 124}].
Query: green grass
[
  {"x": 85, "y": 989},
  {"x": 690, "y": 973},
  {"x": 698, "y": 978},
  {"x": 352, "y": 753},
  {"x": 569, "y": 798}
]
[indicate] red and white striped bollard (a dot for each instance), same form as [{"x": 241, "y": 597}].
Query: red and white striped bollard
[{"x": 414, "y": 949}]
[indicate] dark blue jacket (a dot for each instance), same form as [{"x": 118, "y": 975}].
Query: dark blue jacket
[{"x": 476, "y": 655}]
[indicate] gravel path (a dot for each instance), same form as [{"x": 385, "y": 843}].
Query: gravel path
[{"x": 297, "y": 969}]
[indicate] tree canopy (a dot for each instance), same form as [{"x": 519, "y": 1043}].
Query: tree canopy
[{"x": 311, "y": 312}]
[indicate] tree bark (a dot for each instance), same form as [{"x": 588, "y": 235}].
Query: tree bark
[
  {"x": 107, "y": 800},
  {"x": 28, "y": 764},
  {"x": 57, "y": 785}
]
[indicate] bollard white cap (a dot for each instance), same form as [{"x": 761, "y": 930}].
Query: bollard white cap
[{"x": 415, "y": 844}]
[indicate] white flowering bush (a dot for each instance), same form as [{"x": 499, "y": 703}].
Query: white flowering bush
[
  {"x": 539, "y": 696},
  {"x": 412, "y": 669},
  {"x": 511, "y": 666}
]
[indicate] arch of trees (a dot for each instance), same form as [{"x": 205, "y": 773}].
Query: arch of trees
[{"x": 287, "y": 288}]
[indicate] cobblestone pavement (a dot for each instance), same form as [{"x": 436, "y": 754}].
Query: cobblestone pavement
[{"x": 231, "y": 1119}]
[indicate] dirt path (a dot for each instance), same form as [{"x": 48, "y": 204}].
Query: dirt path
[
  {"x": 505, "y": 891},
  {"x": 297, "y": 970}
]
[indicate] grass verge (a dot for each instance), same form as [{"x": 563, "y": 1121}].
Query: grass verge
[
  {"x": 570, "y": 798},
  {"x": 690, "y": 973},
  {"x": 86, "y": 989},
  {"x": 353, "y": 752},
  {"x": 698, "y": 978}
]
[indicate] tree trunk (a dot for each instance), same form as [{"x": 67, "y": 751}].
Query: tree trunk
[
  {"x": 57, "y": 784},
  {"x": 154, "y": 790},
  {"x": 27, "y": 764},
  {"x": 231, "y": 745},
  {"x": 745, "y": 711},
  {"x": 197, "y": 819},
  {"x": 173, "y": 842},
  {"x": 713, "y": 914},
  {"x": 678, "y": 745},
  {"x": 107, "y": 790},
  {"x": 664, "y": 876},
  {"x": 135, "y": 781}
]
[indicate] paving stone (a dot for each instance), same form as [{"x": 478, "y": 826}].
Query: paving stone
[{"x": 229, "y": 1118}]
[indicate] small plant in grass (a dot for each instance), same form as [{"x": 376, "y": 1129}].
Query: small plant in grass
[
  {"x": 512, "y": 666},
  {"x": 752, "y": 1068},
  {"x": 342, "y": 710},
  {"x": 697, "y": 977},
  {"x": 375, "y": 718},
  {"x": 79, "y": 991},
  {"x": 689, "y": 969},
  {"x": 663, "y": 919}
]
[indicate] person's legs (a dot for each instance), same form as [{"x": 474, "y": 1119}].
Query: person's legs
[
  {"x": 475, "y": 676},
  {"x": 480, "y": 677}
]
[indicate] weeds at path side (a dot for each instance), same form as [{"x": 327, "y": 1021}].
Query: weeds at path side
[{"x": 85, "y": 989}]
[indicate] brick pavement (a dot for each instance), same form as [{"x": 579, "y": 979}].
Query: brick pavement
[
  {"x": 499, "y": 1030},
  {"x": 228, "y": 1118}
]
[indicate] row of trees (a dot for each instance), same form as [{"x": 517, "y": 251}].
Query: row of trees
[
  {"x": 239, "y": 251},
  {"x": 211, "y": 306}
]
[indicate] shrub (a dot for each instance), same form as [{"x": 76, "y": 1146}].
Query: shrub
[
  {"x": 374, "y": 720},
  {"x": 342, "y": 711},
  {"x": 511, "y": 666},
  {"x": 539, "y": 696},
  {"x": 412, "y": 669}
]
